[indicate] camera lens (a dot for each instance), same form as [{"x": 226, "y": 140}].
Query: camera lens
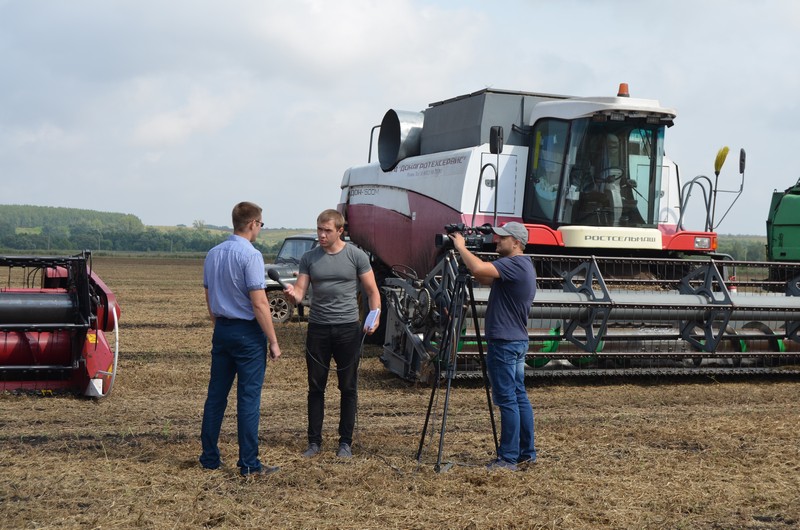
[{"x": 443, "y": 241}]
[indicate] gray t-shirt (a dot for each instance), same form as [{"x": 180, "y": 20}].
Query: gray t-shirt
[{"x": 334, "y": 278}]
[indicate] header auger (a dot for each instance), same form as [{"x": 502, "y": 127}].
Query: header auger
[{"x": 54, "y": 312}]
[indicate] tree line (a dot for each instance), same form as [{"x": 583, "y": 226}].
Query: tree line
[
  {"x": 53, "y": 229},
  {"x": 743, "y": 248},
  {"x": 40, "y": 229}
]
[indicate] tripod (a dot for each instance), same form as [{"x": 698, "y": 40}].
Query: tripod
[{"x": 448, "y": 353}]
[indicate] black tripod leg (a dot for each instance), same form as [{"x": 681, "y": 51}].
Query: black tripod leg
[
  {"x": 428, "y": 415},
  {"x": 483, "y": 366},
  {"x": 438, "y": 466},
  {"x": 451, "y": 346}
]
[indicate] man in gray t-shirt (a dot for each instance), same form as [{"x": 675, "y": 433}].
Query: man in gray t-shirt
[
  {"x": 335, "y": 280},
  {"x": 335, "y": 269}
]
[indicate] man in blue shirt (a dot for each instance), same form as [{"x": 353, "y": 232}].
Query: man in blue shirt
[
  {"x": 513, "y": 281},
  {"x": 233, "y": 277}
]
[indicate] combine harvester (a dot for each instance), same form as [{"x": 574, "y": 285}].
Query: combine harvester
[
  {"x": 54, "y": 312},
  {"x": 624, "y": 287}
]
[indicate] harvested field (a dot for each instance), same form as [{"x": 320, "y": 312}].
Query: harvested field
[{"x": 640, "y": 453}]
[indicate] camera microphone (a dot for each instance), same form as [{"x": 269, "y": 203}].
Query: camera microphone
[{"x": 274, "y": 275}]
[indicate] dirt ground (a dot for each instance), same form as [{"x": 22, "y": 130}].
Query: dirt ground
[{"x": 639, "y": 453}]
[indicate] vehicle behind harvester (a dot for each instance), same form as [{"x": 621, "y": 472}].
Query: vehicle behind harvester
[
  {"x": 783, "y": 234},
  {"x": 54, "y": 313},
  {"x": 623, "y": 284}
]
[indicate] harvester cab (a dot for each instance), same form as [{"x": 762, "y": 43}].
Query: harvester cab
[
  {"x": 54, "y": 313},
  {"x": 601, "y": 166}
]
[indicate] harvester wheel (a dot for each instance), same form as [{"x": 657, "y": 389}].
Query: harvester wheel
[{"x": 280, "y": 306}]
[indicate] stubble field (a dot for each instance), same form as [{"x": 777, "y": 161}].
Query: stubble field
[{"x": 640, "y": 453}]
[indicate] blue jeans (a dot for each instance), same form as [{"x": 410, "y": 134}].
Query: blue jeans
[
  {"x": 238, "y": 349},
  {"x": 343, "y": 343},
  {"x": 505, "y": 364}
]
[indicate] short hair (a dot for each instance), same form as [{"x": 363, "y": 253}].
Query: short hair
[
  {"x": 331, "y": 215},
  {"x": 243, "y": 213}
]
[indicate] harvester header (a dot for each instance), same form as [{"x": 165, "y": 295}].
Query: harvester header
[{"x": 54, "y": 315}]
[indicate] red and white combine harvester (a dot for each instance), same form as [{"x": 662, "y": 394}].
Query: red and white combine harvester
[
  {"x": 54, "y": 315},
  {"x": 624, "y": 285}
]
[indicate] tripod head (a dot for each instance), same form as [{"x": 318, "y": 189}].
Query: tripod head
[{"x": 463, "y": 270}]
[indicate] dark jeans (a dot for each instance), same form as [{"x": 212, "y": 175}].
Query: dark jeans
[
  {"x": 343, "y": 343},
  {"x": 238, "y": 349}
]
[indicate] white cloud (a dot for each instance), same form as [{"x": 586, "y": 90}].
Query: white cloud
[
  {"x": 47, "y": 134},
  {"x": 201, "y": 113}
]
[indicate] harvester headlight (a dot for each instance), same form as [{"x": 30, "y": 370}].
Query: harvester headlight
[{"x": 702, "y": 243}]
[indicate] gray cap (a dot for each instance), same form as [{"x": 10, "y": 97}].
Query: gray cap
[{"x": 513, "y": 229}]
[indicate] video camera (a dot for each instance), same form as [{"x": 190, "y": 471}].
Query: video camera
[{"x": 474, "y": 236}]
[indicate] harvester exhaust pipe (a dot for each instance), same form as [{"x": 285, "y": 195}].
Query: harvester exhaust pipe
[{"x": 400, "y": 136}]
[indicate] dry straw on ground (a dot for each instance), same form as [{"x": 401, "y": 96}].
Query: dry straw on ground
[{"x": 639, "y": 453}]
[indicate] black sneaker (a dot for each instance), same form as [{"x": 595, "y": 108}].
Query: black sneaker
[
  {"x": 344, "y": 451},
  {"x": 312, "y": 450}
]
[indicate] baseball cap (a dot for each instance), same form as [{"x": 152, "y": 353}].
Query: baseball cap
[{"x": 513, "y": 229}]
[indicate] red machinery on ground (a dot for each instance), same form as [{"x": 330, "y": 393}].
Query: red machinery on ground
[{"x": 54, "y": 312}]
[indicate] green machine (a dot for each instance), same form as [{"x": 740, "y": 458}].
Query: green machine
[
  {"x": 783, "y": 240},
  {"x": 783, "y": 225}
]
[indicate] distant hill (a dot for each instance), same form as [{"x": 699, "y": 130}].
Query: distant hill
[
  {"x": 27, "y": 216},
  {"x": 35, "y": 229}
]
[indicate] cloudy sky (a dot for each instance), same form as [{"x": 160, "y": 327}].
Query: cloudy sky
[{"x": 175, "y": 110}]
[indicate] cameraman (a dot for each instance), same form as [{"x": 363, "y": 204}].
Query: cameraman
[{"x": 513, "y": 281}]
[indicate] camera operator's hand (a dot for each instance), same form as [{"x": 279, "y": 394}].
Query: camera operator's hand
[
  {"x": 483, "y": 271},
  {"x": 458, "y": 241}
]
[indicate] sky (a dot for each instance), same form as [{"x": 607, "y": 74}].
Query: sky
[{"x": 176, "y": 110}]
